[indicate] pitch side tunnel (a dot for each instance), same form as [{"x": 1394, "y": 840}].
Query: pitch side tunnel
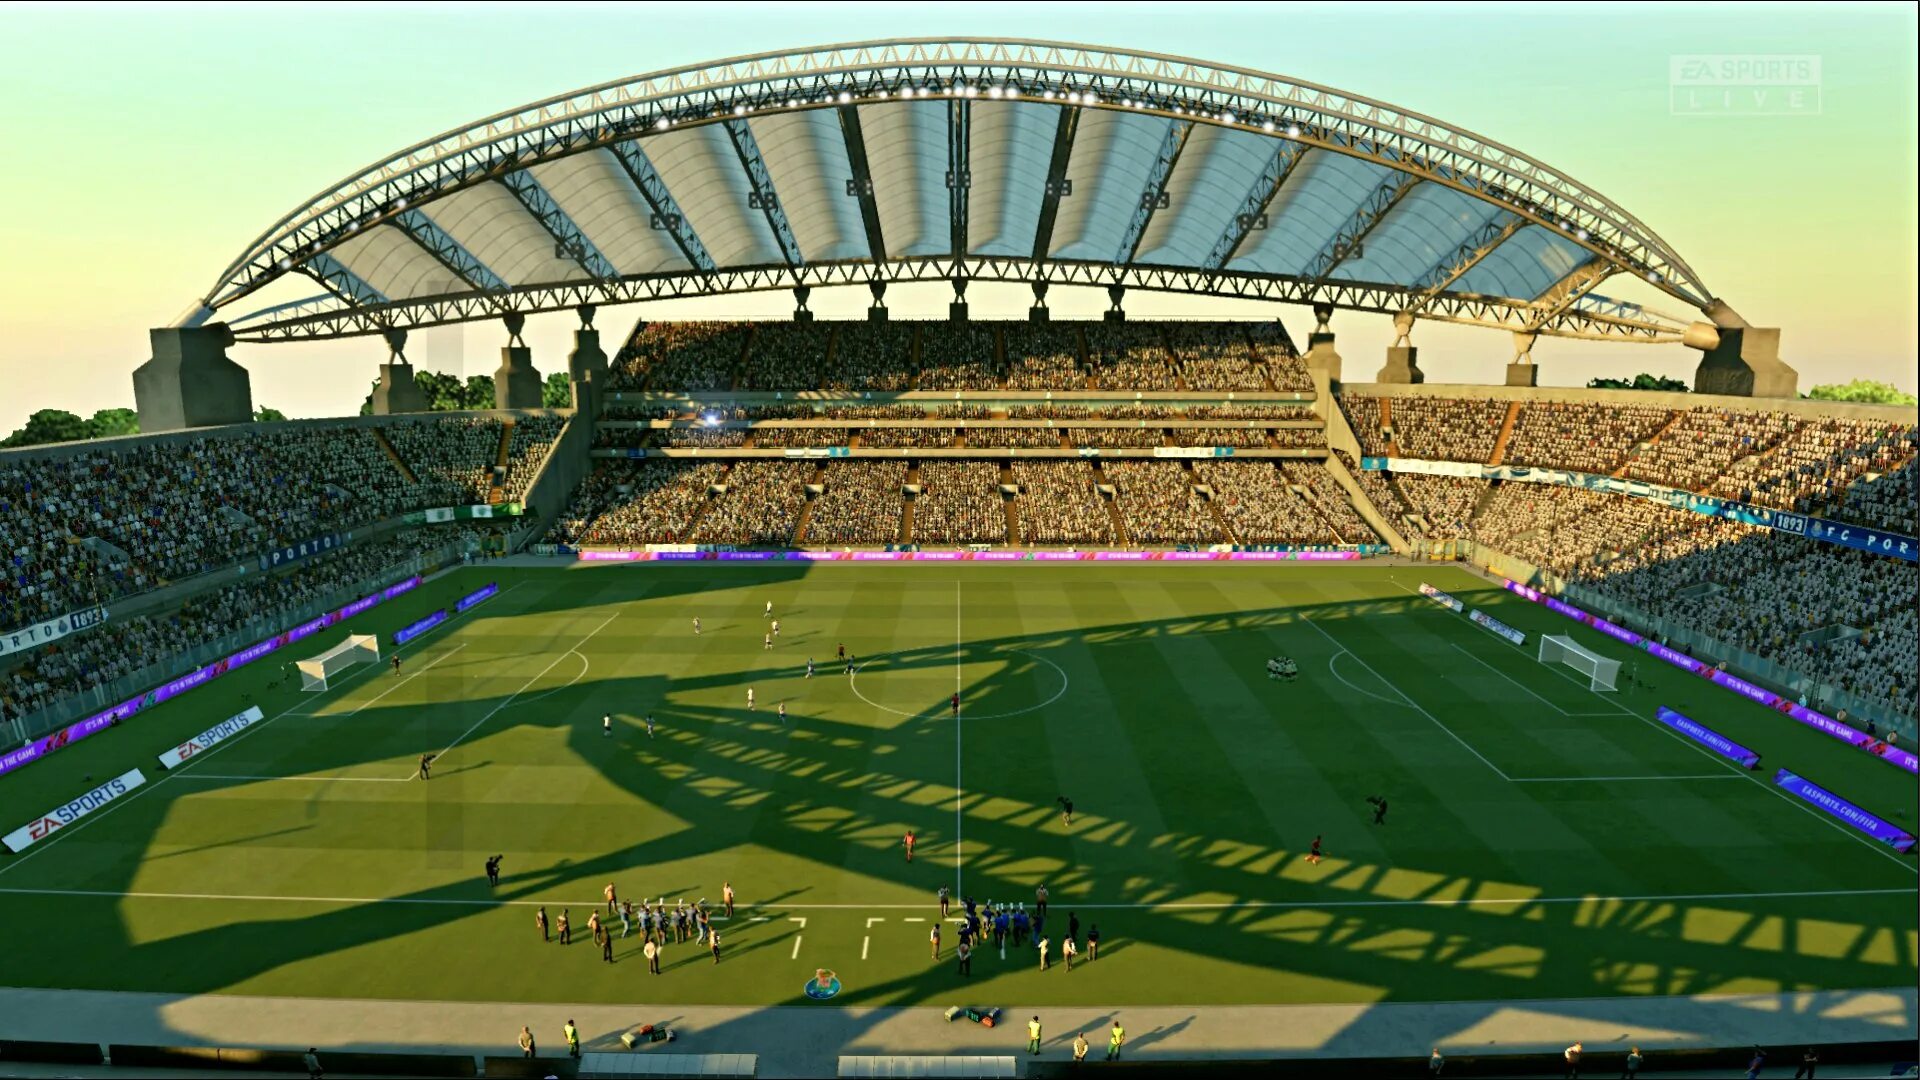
[{"x": 945, "y": 160}]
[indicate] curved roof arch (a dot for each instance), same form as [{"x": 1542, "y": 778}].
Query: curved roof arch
[{"x": 978, "y": 159}]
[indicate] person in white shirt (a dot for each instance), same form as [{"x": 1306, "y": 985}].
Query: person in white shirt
[{"x": 749, "y": 699}]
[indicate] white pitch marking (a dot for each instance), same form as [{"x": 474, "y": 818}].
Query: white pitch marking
[
  {"x": 797, "y": 937},
  {"x": 523, "y": 686},
  {"x": 874, "y": 919},
  {"x": 1612, "y": 779},
  {"x": 1498, "y": 771},
  {"x": 1170, "y": 905},
  {"x": 203, "y": 755},
  {"x": 315, "y": 779},
  {"x": 913, "y": 920},
  {"x": 1475, "y": 657},
  {"x": 404, "y": 681}
]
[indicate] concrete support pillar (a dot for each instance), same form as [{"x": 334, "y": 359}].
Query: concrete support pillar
[
  {"x": 1746, "y": 363},
  {"x": 189, "y": 382},
  {"x": 878, "y": 311},
  {"x": 397, "y": 392},
  {"x": 516, "y": 385},
  {"x": 1116, "y": 294},
  {"x": 1038, "y": 313},
  {"x": 1403, "y": 366},
  {"x": 1521, "y": 370},
  {"x": 957, "y": 310},
  {"x": 587, "y": 365},
  {"x": 1321, "y": 355}
]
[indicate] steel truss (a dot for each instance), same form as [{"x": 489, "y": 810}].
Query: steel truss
[
  {"x": 618, "y": 116},
  {"x": 1572, "y": 313}
]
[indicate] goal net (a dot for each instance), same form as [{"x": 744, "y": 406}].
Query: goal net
[
  {"x": 1601, "y": 672},
  {"x": 357, "y": 649}
]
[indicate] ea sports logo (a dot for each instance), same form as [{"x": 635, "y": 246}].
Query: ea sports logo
[
  {"x": 187, "y": 750},
  {"x": 41, "y": 828}
]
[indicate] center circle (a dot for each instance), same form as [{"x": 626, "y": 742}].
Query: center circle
[{"x": 933, "y": 681}]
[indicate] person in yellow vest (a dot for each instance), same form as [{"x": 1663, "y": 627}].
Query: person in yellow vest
[
  {"x": 1033, "y": 1035},
  {"x": 573, "y": 1038},
  {"x": 1115, "y": 1040}
]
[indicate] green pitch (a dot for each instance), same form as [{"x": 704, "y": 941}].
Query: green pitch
[{"x": 300, "y": 859}]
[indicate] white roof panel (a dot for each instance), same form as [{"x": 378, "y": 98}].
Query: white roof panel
[{"x": 594, "y": 191}]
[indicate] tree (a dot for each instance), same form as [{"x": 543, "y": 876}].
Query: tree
[
  {"x": 1864, "y": 391},
  {"x": 48, "y": 426},
  {"x": 59, "y": 425},
  {"x": 557, "y": 391},
  {"x": 264, "y": 415},
  {"x": 478, "y": 393},
  {"x": 1642, "y": 381},
  {"x": 111, "y": 423}
]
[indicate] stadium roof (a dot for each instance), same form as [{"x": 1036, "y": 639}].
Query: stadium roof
[{"x": 928, "y": 160}]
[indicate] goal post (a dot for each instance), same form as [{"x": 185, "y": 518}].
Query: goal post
[
  {"x": 357, "y": 649},
  {"x": 1601, "y": 673}
]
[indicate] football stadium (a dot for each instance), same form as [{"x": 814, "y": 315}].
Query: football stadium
[{"x": 965, "y": 695}]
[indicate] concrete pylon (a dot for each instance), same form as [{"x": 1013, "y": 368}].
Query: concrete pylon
[
  {"x": 1321, "y": 355},
  {"x": 1403, "y": 360},
  {"x": 1521, "y": 370},
  {"x": 516, "y": 385},
  {"x": 397, "y": 392},
  {"x": 1746, "y": 363},
  {"x": 587, "y": 365},
  {"x": 189, "y": 382}
]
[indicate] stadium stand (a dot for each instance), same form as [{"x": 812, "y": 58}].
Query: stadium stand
[{"x": 124, "y": 646}]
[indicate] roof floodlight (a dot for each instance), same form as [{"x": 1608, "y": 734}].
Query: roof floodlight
[
  {"x": 845, "y": 97},
  {"x": 1267, "y": 127},
  {"x": 973, "y": 91},
  {"x": 906, "y": 91},
  {"x": 662, "y": 124},
  {"x": 1229, "y": 118},
  {"x": 1293, "y": 130},
  {"x": 739, "y": 110},
  {"x": 1583, "y": 234},
  {"x": 284, "y": 263}
]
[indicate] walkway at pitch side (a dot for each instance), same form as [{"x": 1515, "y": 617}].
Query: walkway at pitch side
[{"x": 807, "y": 1040}]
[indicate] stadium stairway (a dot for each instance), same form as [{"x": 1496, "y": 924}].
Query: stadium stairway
[
  {"x": 906, "y": 509},
  {"x": 1220, "y": 518},
  {"x": 1634, "y": 450},
  {"x": 406, "y": 473},
  {"x": 1120, "y": 537},
  {"x": 1506, "y": 433},
  {"x": 745, "y": 357},
  {"x": 1363, "y": 506},
  {"x": 1008, "y": 504}
]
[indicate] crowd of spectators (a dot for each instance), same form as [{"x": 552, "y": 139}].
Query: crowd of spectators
[
  {"x": 1583, "y": 436},
  {"x": 959, "y": 503},
  {"x": 1244, "y": 437},
  {"x": 674, "y": 356},
  {"x": 786, "y": 356},
  {"x": 1445, "y": 503},
  {"x": 873, "y": 356},
  {"x": 1330, "y": 498},
  {"x": 860, "y": 504},
  {"x": 1158, "y": 504},
  {"x": 1043, "y": 357},
  {"x": 802, "y": 436},
  {"x": 1260, "y": 506},
  {"x": 957, "y": 356},
  {"x": 906, "y": 437},
  {"x": 1129, "y": 356},
  {"x": 1284, "y": 367},
  {"x": 1058, "y": 504},
  {"x": 1214, "y": 356},
  {"x": 1294, "y": 438},
  {"x": 1447, "y": 429},
  {"x": 456, "y": 451},
  {"x": 1883, "y": 500},
  {"x": 1116, "y": 438},
  {"x": 1031, "y": 438},
  {"x": 760, "y": 507},
  {"x": 631, "y": 503},
  {"x": 1768, "y": 594},
  {"x": 1378, "y": 488},
  {"x": 173, "y": 509},
  {"x": 123, "y": 646}
]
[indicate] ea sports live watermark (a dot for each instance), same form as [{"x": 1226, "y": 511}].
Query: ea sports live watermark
[{"x": 1743, "y": 84}]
